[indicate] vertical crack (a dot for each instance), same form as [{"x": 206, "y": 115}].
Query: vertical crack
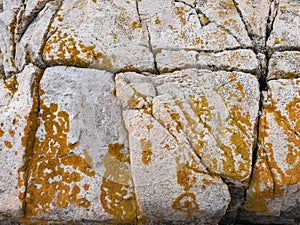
[
  {"x": 242, "y": 18},
  {"x": 156, "y": 70},
  {"x": 273, "y": 11},
  {"x": 28, "y": 139},
  {"x": 263, "y": 86},
  {"x": 46, "y": 35}
]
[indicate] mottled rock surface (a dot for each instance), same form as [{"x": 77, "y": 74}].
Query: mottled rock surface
[{"x": 149, "y": 112}]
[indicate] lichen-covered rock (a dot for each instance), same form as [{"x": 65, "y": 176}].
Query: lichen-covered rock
[
  {"x": 274, "y": 187},
  {"x": 99, "y": 34},
  {"x": 175, "y": 25},
  {"x": 79, "y": 166},
  {"x": 256, "y": 15},
  {"x": 15, "y": 137},
  {"x": 204, "y": 122},
  {"x": 216, "y": 111},
  {"x": 149, "y": 112}
]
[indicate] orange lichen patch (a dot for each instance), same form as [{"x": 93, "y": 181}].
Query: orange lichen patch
[
  {"x": 150, "y": 126},
  {"x": 8, "y": 144},
  {"x": 201, "y": 108},
  {"x": 168, "y": 147},
  {"x": 181, "y": 11},
  {"x": 28, "y": 137},
  {"x": 185, "y": 176},
  {"x": 86, "y": 187},
  {"x": 186, "y": 202},
  {"x": 278, "y": 41},
  {"x": 176, "y": 118},
  {"x": 270, "y": 180},
  {"x": 157, "y": 21},
  {"x": 136, "y": 25},
  {"x": 139, "y": 100},
  {"x": 146, "y": 151},
  {"x": 11, "y": 132},
  {"x": 1, "y": 132},
  {"x": 207, "y": 182},
  {"x": 50, "y": 184},
  {"x": 237, "y": 127},
  {"x": 62, "y": 49},
  {"x": 289, "y": 75},
  {"x": 11, "y": 84},
  {"x": 204, "y": 20},
  {"x": 117, "y": 194}
]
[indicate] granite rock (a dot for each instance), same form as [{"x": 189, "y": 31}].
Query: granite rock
[
  {"x": 274, "y": 187},
  {"x": 79, "y": 167},
  {"x": 99, "y": 34},
  {"x": 149, "y": 112},
  {"x": 17, "y": 106}
]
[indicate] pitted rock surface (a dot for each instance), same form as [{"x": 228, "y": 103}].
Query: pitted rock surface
[{"x": 149, "y": 112}]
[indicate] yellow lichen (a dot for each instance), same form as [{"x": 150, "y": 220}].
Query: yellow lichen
[
  {"x": 8, "y": 144},
  {"x": 269, "y": 180},
  {"x": 157, "y": 21},
  {"x": 117, "y": 194},
  {"x": 1, "y": 132},
  {"x": 47, "y": 160},
  {"x": 136, "y": 25},
  {"x": 146, "y": 151},
  {"x": 62, "y": 49},
  {"x": 12, "y": 84},
  {"x": 186, "y": 202},
  {"x": 237, "y": 127}
]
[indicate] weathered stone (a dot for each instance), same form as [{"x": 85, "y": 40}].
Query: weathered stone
[
  {"x": 79, "y": 167},
  {"x": 175, "y": 25},
  {"x": 225, "y": 14},
  {"x": 6, "y": 41},
  {"x": 274, "y": 187},
  {"x": 284, "y": 65},
  {"x": 27, "y": 12},
  {"x": 32, "y": 43},
  {"x": 255, "y": 15},
  {"x": 170, "y": 181},
  {"x": 285, "y": 32},
  {"x": 202, "y": 119},
  {"x": 99, "y": 34},
  {"x": 175, "y": 112},
  {"x": 237, "y": 60},
  {"x": 15, "y": 111}
]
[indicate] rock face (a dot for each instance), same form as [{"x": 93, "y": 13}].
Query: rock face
[{"x": 150, "y": 112}]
